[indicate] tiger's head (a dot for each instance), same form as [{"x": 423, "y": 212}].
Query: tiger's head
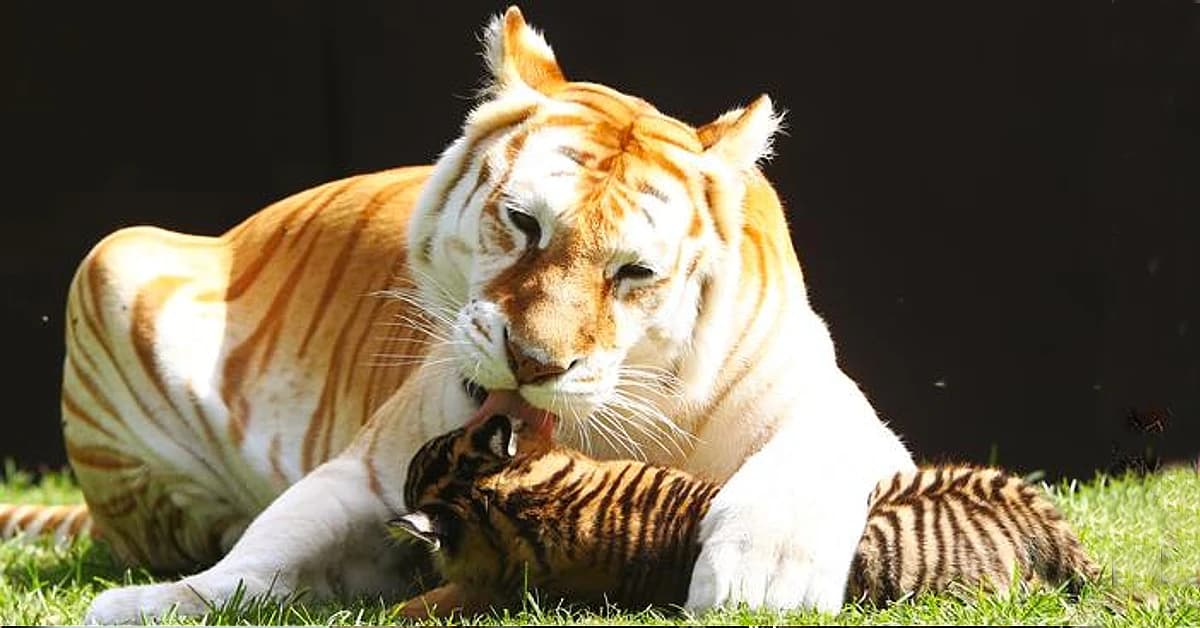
[{"x": 576, "y": 241}]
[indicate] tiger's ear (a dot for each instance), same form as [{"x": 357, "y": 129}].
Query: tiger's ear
[
  {"x": 420, "y": 526},
  {"x": 517, "y": 54},
  {"x": 743, "y": 136}
]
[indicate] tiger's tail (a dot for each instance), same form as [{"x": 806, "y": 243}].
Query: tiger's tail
[{"x": 64, "y": 522}]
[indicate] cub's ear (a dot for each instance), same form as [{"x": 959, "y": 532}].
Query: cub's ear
[
  {"x": 517, "y": 54},
  {"x": 499, "y": 433},
  {"x": 420, "y": 526},
  {"x": 743, "y": 136}
]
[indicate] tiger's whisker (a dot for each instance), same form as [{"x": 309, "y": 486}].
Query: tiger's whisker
[
  {"x": 616, "y": 427},
  {"x": 651, "y": 431},
  {"x": 611, "y": 432},
  {"x": 648, "y": 411}
]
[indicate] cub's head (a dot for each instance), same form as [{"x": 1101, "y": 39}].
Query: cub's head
[
  {"x": 576, "y": 241},
  {"x": 445, "y": 465},
  {"x": 440, "y": 490}
]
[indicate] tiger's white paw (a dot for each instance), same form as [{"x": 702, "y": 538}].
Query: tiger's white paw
[
  {"x": 147, "y": 602},
  {"x": 770, "y": 543}
]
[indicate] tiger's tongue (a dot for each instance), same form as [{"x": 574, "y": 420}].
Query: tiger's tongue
[{"x": 510, "y": 403}]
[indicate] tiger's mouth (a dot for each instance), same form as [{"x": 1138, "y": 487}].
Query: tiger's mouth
[{"x": 508, "y": 402}]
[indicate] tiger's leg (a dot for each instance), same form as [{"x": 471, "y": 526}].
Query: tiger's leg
[
  {"x": 323, "y": 534},
  {"x": 326, "y": 533}
]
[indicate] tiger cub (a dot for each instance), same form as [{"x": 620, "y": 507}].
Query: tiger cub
[{"x": 505, "y": 509}]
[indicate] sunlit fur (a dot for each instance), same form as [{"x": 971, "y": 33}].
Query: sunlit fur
[
  {"x": 219, "y": 390},
  {"x": 623, "y": 532}
]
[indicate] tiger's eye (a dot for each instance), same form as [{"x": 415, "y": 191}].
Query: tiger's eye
[
  {"x": 634, "y": 271},
  {"x": 527, "y": 224}
]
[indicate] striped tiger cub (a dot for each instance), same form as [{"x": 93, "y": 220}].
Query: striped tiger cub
[{"x": 503, "y": 508}]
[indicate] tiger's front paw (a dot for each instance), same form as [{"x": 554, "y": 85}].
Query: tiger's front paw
[
  {"x": 768, "y": 547},
  {"x": 191, "y": 596},
  {"x": 145, "y": 603}
]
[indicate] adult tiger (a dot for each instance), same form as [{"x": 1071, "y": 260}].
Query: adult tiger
[{"x": 611, "y": 264}]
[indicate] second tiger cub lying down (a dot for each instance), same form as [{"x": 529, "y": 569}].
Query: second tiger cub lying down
[{"x": 505, "y": 509}]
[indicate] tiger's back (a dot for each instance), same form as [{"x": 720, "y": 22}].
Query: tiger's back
[
  {"x": 936, "y": 526},
  {"x": 626, "y": 532}
]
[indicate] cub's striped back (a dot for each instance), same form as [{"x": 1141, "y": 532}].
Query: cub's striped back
[
  {"x": 937, "y": 525},
  {"x": 504, "y": 511}
]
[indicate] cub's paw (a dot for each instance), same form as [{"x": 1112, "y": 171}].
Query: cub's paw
[
  {"x": 768, "y": 547},
  {"x": 145, "y": 603}
]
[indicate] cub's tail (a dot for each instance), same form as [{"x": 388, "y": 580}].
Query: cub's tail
[{"x": 63, "y": 522}]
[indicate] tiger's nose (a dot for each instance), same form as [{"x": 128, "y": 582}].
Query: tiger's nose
[{"x": 531, "y": 370}]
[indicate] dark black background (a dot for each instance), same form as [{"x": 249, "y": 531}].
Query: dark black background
[{"x": 996, "y": 203}]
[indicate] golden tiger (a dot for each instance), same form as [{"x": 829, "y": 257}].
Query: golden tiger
[
  {"x": 505, "y": 510},
  {"x": 251, "y": 399}
]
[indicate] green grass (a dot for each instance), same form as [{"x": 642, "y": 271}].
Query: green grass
[{"x": 1144, "y": 531}]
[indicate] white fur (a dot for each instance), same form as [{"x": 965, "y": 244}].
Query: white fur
[{"x": 782, "y": 531}]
